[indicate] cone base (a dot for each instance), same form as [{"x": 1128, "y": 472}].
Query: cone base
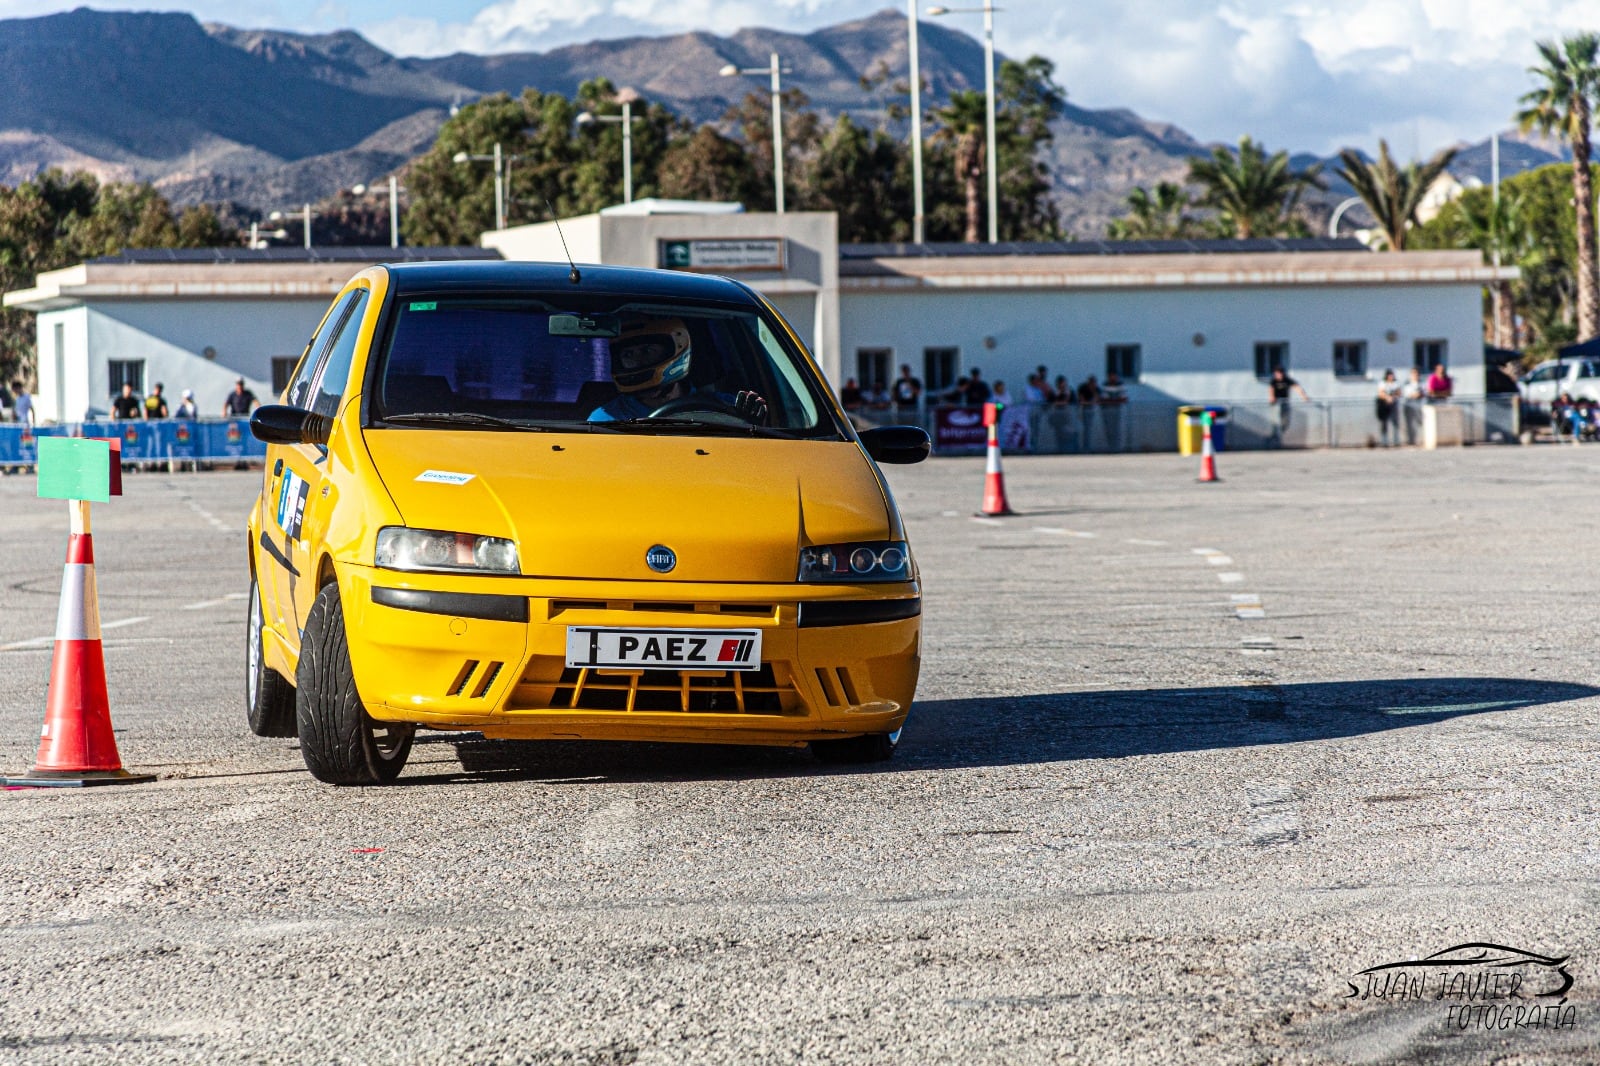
[
  {"x": 1006, "y": 513},
  {"x": 77, "y": 778}
]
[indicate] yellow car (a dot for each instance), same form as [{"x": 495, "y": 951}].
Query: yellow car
[{"x": 514, "y": 499}]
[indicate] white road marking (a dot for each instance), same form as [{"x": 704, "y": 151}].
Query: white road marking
[
  {"x": 1049, "y": 529},
  {"x": 1220, "y": 560},
  {"x": 203, "y": 604},
  {"x": 1080, "y": 533},
  {"x": 987, "y": 521},
  {"x": 1230, "y": 577},
  {"x": 1205, "y": 551},
  {"x": 236, "y": 596},
  {"x": 41, "y": 642},
  {"x": 1147, "y": 543}
]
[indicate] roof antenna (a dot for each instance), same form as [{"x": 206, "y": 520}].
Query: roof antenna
[{"x": 575, "y": 277}]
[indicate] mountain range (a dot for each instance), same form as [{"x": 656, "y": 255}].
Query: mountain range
[{"x": 268, "y": 119}]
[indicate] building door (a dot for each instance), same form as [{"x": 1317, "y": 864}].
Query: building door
[
  {"x": 874, "y": 367},
  {"x": 61, "y": 372}
]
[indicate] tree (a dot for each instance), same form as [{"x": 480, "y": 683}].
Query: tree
[
  {"x": 962, "y": 126},
  {"x": 1563, "y": 105},
  {"x": 802, "y": 130},
  {"x": 1163, "y": 216},
  {"x": 864, "y": 176},
  {"x": 1254, "y": 195},
  {"x": 1392, "y": 193},
  {"x": 1496, "y": 228},
  {"x": 708, "y": 166},
  {"x": 596, "y": 179}
]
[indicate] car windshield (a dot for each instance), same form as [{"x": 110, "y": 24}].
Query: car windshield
[{"x": 602, "y": 364}]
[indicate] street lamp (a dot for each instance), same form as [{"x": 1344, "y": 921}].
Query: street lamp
[
  {"x": 589, "y": 118},
  {"x": 304, "y": 214},
  {"x": 259, "y": 238},
  {"x": 917, "y": 217},
  {"x": 990, "y": 163},
  {"x": 394, "y": 208},
  {"x": 774, "y": 69},
  {"x": 1338, "y": 213},
  {"x": 502, "y": 174}
]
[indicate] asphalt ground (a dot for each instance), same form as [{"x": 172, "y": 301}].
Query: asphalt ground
[{"x": 1186, "y": 758}]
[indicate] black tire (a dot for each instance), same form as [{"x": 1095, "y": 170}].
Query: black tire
[
  {"x": 341, "y": 743},
  {"x": 268, "y": 696},
  {"x": 872, "y": 747}
]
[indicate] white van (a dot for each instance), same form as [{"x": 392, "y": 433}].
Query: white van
[{"x": 1580, "y": 378}]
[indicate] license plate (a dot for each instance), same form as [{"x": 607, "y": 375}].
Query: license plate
[{"x": 663, "y": 649}]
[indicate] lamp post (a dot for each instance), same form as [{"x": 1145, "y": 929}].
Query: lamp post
[
  {"x": 1338, "y": 213},
  {"x": 589, "y": 118},
  {"x": 394, "y": 207},
  {"x": 256, "y": 235},
  {"x": 917, "y": 216},
  {"x": 774, "y": 69},
  {"x": 304, "y": 214},
  {"x": 502, "y": 173},
  {"x": 991, "y": 164}
]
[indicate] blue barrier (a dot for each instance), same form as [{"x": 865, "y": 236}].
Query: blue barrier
[{"x": 159, "y": 441}]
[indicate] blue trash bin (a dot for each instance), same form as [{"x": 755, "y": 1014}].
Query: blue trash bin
[{"x": 1219, "y": 427}]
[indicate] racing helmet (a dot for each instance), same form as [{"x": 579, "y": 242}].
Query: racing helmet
[{"x": 650, "y": 355}]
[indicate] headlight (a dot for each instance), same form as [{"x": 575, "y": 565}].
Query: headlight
[
  {"x": 404, "y": 548},
  {"x": 880, "y": 560}
]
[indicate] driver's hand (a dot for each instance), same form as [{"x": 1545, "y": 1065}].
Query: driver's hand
[{"x": 751, "y": 407}]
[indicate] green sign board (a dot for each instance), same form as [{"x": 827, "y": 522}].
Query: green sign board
[{"x": 74, "y": 468}]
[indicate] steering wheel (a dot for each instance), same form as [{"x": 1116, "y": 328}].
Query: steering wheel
[{"x": 696, "y": 401}]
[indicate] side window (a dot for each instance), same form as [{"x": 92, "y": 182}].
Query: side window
[
  {"x": 300, "y": 385},
  {"x": 341, "y": 350}
]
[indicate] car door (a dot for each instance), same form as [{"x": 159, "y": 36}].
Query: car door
[{"x": 295, "y": 471}]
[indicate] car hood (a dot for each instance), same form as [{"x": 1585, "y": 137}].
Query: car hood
[{"x": 592, "y": 505}]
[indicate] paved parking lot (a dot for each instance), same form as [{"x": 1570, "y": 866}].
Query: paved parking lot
[{"x": 1185, "y": 760}]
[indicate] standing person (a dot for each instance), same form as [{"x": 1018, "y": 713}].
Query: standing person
[
  {"x": 1439, "y": 384},
  {"x": 22, "y": 404},
  {"x": 1388, "y": 409},
  {"x": 1112, "y": 397},
  {"x": 850, "y": 395},
  {"x": 155, "y": 404},
  {"x": 907, "y": 393},
  {"x": 187, "y": 408},
  {"x": 1061, "y": 420},
  {"x": 1412, "y": 394},
  {"x": 1279, "y": 388},
  {"x": 1088, "y": 400},
  {"x": 977, "y": 389},
  {"x": 127, "y": 406},
  {"x": 1036, "y": 397},
  {"x": 240, "y": 402}
]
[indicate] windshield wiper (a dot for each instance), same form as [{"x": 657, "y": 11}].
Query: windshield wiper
[
  {"x": 725, "y": 429},
  {"x": 459, "y": 418}
]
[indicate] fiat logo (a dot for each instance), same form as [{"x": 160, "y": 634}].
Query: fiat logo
[{"x": 661, "y": 559}]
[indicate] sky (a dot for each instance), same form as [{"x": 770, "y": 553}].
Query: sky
[{"x": 1306, "y": 75}]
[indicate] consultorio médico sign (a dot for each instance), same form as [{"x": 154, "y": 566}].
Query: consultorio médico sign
[{"x": 721, "y": 256}]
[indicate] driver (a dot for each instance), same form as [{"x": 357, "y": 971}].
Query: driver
[{"x": 650, "y": 364}]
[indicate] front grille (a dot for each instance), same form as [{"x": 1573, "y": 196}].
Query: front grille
[
  {"x": 751, "y": 610},
  {"x": 681, "y": 691}
]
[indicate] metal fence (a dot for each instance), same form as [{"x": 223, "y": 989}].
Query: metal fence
[
  {"x": 170, "y": 441},
  {"x": 1154, "y": 427}
]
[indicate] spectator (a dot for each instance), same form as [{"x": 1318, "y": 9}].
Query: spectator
[
  {"x": 977, "y": 389},
  {"x": 155, "y": 405},
  {"x": 1062, "y": 424},
  {"x": 127, "y": 406},
  {"x": 1112, "y": 397},
  {"x": 907, "y": 393},
  {"x": 1412, "y": 394},
  {"x": 1044, "y": 383},
  {"x": 1388, "y": 409},
  {"x": 1280, "y": 387},
  {"x": 850, "y": 395},
  {"x": 22, "y": 405},
  {"x": 1088, "y": 398},
  {"x": 1439, "y": 384},
  {"x": 1036, "y": 398},
  {"x": 187, "y": 408},
  {"x": 878, "y": 397},
  {"x": 240, "y": 402},
  {"x": 957, "y": 393}
]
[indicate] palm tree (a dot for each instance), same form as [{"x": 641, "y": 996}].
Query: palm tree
[
  {"x": 1392, "y": 193},
  {"x": 1255, "y": 194},
  {"x": 1563, "y": 104},
  {"x": 964, "y": 123},
  {"x": 1158, "y": 217},
  {"x": 1499, "y": 230}
]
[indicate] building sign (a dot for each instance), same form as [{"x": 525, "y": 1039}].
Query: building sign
[{"x": 723, "y": 256}]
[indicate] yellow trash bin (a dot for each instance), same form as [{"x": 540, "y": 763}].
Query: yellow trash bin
[{"x": 1190, "y": 430}]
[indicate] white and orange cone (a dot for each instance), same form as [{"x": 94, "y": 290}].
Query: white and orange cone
[
  {"x": 1208, "y": 457},
  {"x": 77, "y": 746},
  {"x": 994, "y": 479}
]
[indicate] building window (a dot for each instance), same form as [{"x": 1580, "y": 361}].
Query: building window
[
  {"x": 1350, "y": 359},
  {"x": 1429, "y": 353},
  {"x": 939, "y": 368},
  {"x": 126, "y": 372},
  {"x": 1270, "y": 355},
  {"x": 874, "y": 367},
  {"x": 1123, "y": 360},
  {"x": 282, "y": 370}
]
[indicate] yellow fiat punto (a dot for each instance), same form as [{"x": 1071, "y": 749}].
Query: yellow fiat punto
[{"x": 514, "y": 499}]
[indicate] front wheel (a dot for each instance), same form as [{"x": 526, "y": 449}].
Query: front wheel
[
  {"x": 341, "y": 743},
  {"x": 268, "y": 696},
  {"x": 872, "y": 747}
]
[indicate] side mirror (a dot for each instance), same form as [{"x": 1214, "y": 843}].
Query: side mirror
[
  {"x": 277, "y": 423},
  {"x": 899, "y": 445}
]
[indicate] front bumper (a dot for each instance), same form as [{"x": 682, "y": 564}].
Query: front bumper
[{"x": 489, "y": 653}]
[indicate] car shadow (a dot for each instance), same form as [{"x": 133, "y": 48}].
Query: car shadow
[{"x": 1042, "y": 728}]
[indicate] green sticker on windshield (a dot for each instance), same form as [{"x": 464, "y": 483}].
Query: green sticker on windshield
[{"x": 429, "y": 306}]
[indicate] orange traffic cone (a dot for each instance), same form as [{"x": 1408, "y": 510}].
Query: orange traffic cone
[
  {"x": 1208, "y": 457},
  {"x": 77, "y": 747},
  {"x": 994, "y": 479}
]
